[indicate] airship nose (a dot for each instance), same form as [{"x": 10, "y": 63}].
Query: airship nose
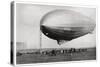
[{"x": 65, "y": 25}]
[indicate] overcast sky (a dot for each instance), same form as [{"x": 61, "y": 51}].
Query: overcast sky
[{"x": 28, "y": 18}]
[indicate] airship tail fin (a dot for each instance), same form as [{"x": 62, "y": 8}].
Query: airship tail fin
[{"x": 91, "y": 32}]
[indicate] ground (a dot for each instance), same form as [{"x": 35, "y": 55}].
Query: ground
[{"x": 90, "y": 54}]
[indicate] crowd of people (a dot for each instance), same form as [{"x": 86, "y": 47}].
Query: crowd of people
[
  {"x": 55, "y": 52},
  {"x": 62, "y": 51}
]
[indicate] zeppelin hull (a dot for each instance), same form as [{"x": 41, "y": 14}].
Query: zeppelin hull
[
  {"x": 65, "y": 25},
  {"x": 61, "y": 34}
]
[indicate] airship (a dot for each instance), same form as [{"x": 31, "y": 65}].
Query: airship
[{"x": 65, "y": 25}]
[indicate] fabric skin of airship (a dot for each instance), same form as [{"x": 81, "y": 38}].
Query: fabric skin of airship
[{"x": 65, "y": 25}]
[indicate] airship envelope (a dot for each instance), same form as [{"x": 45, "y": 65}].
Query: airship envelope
[{"x": 65, "y": 25}]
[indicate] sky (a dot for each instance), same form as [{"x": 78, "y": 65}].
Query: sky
[{"x": 28, "y": 32}]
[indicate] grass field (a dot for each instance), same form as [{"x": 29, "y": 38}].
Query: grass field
[{"x": 90, "y": 54}]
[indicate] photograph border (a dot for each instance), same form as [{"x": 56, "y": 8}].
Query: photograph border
[{"x": 55, "y": 4}]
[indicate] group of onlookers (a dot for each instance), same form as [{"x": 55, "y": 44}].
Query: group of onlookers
[
  {"x": 62, "y": 51},
  {"x": 54, "y": 52}
]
